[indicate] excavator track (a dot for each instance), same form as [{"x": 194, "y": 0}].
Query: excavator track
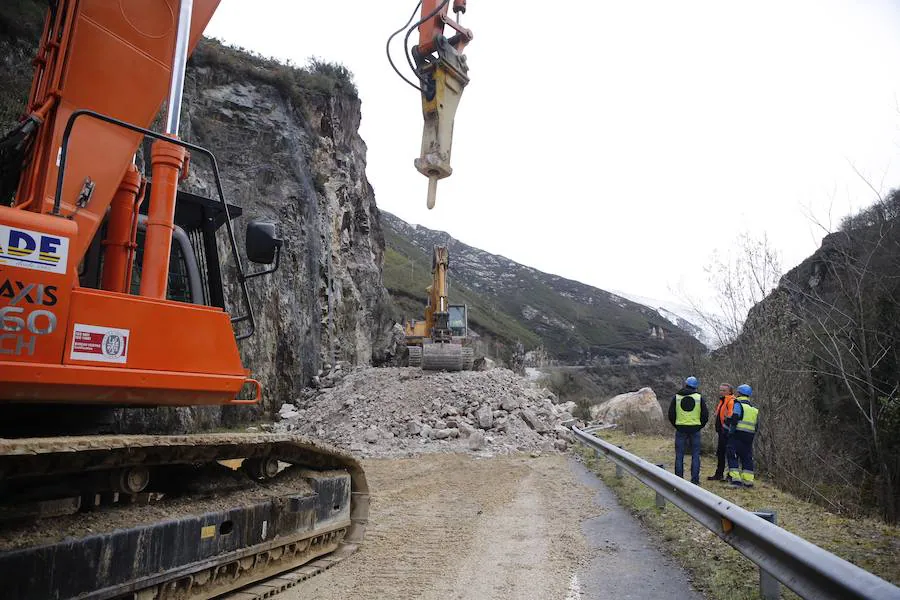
[
  {"x": 303, "y": 510},
  {"x": 447, "y": 357}
]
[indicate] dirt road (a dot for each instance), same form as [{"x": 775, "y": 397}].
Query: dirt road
[{"x": 456, "y": 526}]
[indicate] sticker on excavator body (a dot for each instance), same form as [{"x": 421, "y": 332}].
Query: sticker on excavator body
[
  {"x": 33, "y": 250},
  {"x": 207, "y": 532},
  {"x": 99, "y": 344}
]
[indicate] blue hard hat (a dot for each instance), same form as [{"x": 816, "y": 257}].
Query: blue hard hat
[
  {"x": 744, "y": 390},
  {"x": 692, "y": 382}
]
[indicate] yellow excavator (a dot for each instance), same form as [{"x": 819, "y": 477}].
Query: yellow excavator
[{"x": 439, "y": 342}]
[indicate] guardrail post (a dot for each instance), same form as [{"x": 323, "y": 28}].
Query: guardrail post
[
  {"x": 619, "y": 470},
  {"x": 769, "y": 587},
  {"x": 660, "y": 499}
]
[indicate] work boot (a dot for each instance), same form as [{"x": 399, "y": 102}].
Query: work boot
[
  {"x": 716, "y": 477},
  {"x": 695, "y": 482},
  {"x": 736, "y": 484}
]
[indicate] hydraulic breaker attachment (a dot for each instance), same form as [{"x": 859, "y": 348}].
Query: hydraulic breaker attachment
[{"x": 442, "y": 70}]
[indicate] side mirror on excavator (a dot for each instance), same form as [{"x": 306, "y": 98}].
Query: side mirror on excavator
[{"x": 263, "y": 246}]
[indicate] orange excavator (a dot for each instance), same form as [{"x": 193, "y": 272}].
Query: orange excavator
[{"x": 111, "y": 298}]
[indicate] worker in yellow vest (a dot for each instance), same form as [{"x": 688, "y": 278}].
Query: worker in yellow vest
[
  {"x": 742, "y": 427},
  {"x": 687, "y": 412}
]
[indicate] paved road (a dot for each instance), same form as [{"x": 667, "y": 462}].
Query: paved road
[{"x": 626, "y": 563}]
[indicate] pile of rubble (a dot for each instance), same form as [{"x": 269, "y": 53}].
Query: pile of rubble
[{"x": 407, "y": 411}]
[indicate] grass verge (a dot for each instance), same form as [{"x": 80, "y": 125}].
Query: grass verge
[{"x": 715, "y": 568}]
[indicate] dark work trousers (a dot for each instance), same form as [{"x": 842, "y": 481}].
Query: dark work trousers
[
  {"x": 740, "y": 450},
  {"x": 682, "y": 441},
  {"x": 720, "y": 453}
]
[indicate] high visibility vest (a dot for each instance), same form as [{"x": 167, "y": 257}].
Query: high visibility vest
[
  {"x": 687, "y": 417},
  {"x": 749, "y": 416},
  {"x": 724, "y": 408}
]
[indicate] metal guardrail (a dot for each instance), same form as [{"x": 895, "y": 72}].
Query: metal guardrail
[{"x": 805, "y": 568}]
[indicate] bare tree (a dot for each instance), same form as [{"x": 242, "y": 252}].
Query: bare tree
[
  {"x": 742, "y": 276},
  {"x": 850, "y": 306}
]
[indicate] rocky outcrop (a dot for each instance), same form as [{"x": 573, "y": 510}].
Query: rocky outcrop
[
  {"x": 288, "y": 149},
  {"x": 294, "y": 156},
  {"x": 635, "y": 412}
]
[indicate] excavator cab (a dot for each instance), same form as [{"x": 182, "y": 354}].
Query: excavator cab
[{"x": 458, "y": 321}]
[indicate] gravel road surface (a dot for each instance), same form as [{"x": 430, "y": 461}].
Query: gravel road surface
[{"x": 457, "y": 526}]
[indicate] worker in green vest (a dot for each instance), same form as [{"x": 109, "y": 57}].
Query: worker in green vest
[
  {"x": 687, "y": 412},
  {"x": 742, "y": 427}
]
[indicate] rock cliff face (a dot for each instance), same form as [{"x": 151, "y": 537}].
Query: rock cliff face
[
  {"x": 821, "y": 354},
  {"x": 293, "y": 156},
  {"x": 288, "y": 149}
]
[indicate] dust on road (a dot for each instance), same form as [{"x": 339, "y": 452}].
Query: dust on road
[{"x": 463, "y": 527}]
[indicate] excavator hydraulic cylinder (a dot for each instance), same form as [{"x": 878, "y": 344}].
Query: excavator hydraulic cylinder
[
  {"x": 167, "y": 161},
  {"x": 118, "y": 243}
]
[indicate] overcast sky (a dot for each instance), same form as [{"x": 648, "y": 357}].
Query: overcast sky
[{"x": 623, "y": 144}]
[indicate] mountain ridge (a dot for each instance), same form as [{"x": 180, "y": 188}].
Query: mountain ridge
[{"x": 573, "y": 322}]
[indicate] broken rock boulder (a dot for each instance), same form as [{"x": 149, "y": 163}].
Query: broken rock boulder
[
  {"x": 534, "y": 422},
  {"x": 485, "y": 416},
  {"x": 635, "y": 412},
  {"x": 288, "y": 411}
]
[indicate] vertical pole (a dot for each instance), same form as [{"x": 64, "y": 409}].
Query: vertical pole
[
  {"x": 769, "y": 587},
  {"x": 660, "y": 499},
  {"x": 179, "y": 64}
]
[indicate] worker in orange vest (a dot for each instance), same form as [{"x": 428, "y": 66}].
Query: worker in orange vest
[{"x": 724, "y": 408}]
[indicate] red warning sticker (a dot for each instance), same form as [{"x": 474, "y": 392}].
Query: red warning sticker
[{"x": 99, "y": 344}]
